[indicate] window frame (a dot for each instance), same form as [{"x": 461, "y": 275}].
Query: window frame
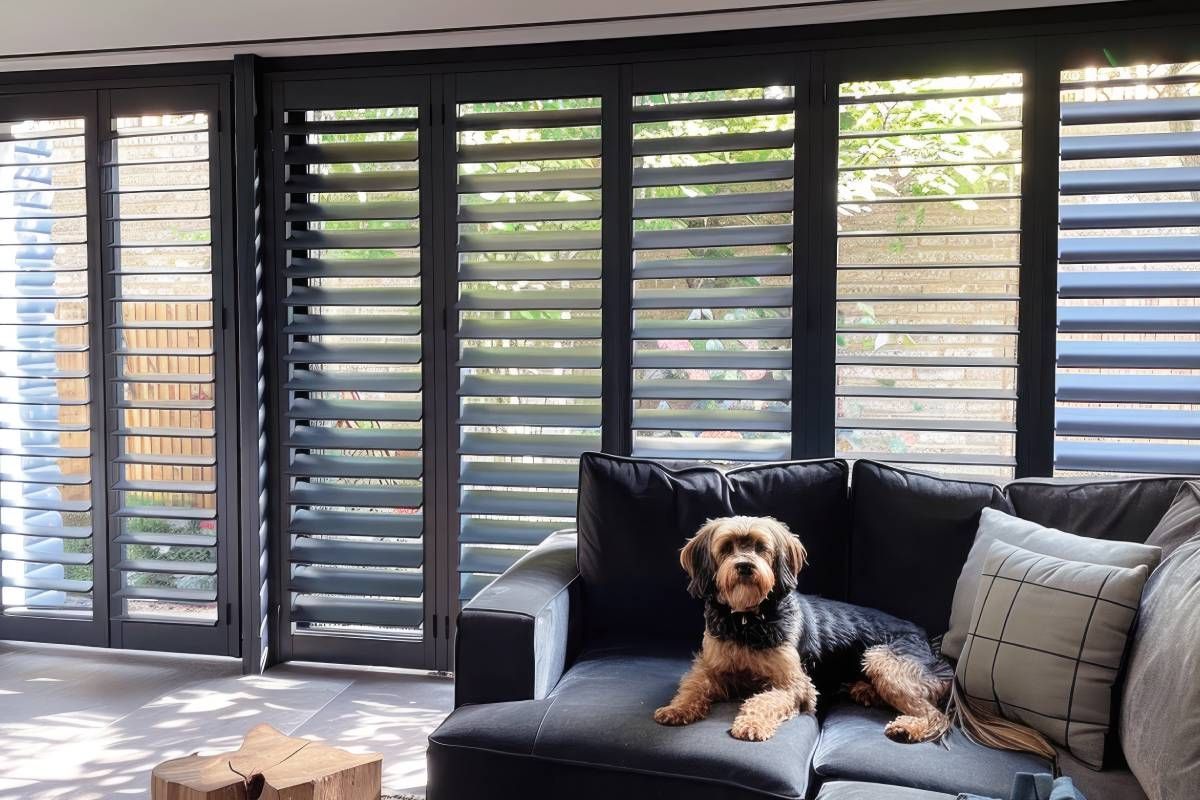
[
  {"x": 1073, "y": 50},
  {"x": 91, "y": 92},
  {"x": 281, "y": 94},
  {"x": 1037, "y": 43},
  {"x": 1017, "y": 54}
]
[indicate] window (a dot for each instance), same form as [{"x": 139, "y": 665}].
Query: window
[
  {"x": 352, "y": 373},
  {"x": 159, "y": 261},
  {"x": 1128, "y": 380},
  {"x": 113, "y": 471},
  {"x": 928, "y": 255},
  {"x": 453, "y": 278},
  {"x": 528, "y": 347},
  {"x": 48, "y": 525},
  {"x": 712, "y": 273}
]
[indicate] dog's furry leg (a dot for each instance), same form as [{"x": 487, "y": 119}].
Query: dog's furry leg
[
  {"x": 693, "y": 699},
  {"x": 907, "y": 685},
  {"x": 863, "y": 693},
  {"x": 791, "y": 692},
  {"x": 762, "y": 714}
]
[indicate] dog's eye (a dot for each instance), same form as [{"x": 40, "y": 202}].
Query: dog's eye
[{"x": 759, "y": 547}]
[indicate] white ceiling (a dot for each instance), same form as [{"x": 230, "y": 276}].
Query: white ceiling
[{"x": 35, "y": 35}]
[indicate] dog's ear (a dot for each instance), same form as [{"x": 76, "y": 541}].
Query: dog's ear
[
  {"x": 790, "y": 555},
  {"x": 697, "y": 561}
]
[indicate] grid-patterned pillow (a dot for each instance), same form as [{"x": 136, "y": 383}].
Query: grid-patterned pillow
[{"x": 1046, "y": 641}]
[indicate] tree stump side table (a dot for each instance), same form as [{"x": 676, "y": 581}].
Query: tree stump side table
[{"x": 271, "y": 766}]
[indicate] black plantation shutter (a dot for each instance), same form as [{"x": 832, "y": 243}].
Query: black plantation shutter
[
  {"x": 160, "y": 201},
  {"x": 349, "y": 182},
  {"x": 528, "y": 313},
  {"x": 52, "y": 575},
  {"x": 1128, "y": 380},
  {"x": 713, "y": 192},
  {"x": 928, "y": 256}
]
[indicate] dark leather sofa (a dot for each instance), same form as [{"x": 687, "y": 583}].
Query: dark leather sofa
[{"x": 562, "y": 660}]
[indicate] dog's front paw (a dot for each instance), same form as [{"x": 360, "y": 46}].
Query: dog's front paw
[
  {"x": 907, "y": 729},
  {"x": 749, "y": 729},
  {"x": 676, "y": 715}
]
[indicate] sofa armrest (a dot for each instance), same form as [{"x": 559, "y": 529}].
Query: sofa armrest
[{"x": 514, "y": 636}]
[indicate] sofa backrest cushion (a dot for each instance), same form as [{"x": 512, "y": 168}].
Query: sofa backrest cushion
[
  {"x": 1160, "y": 707},
  {"x": 635, "y": 515},
  {"x": 1126, "y": 509},
  {"x": 910, "y": 535},
  {"x": 1181, "y": 522}
]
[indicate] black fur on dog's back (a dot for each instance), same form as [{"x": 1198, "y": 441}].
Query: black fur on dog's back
[
  {"x": 831, "y": 636},
  {"x": 829, "y": 628}
]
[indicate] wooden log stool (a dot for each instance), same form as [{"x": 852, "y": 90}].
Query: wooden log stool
[{"x": 271, "y": 766}]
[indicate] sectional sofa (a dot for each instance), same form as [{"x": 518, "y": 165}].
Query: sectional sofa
[{"x": 561, "y": 662}]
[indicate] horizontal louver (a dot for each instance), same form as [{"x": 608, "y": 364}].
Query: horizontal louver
[
  {"x": 928, "y": 255},
  {"x": 1128, "y": 345},
  {"x": 528, "y": 312},
  {"x": 46, "y": 407},
  {"x": 712, "y": 263},
  {"x": 353, "y": 364},
  {"x": 159, "y": 263}
]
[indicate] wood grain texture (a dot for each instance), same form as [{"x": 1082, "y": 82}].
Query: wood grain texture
[{"x": 271, "y": 766}]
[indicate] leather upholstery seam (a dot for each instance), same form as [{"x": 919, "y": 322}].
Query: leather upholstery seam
[{"x": 613, "y": 768}]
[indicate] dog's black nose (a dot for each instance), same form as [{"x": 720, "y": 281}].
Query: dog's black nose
[{"x": 745, "y": 568}]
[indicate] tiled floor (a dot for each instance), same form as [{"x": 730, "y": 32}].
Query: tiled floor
[{"x": 89, "y": 724}]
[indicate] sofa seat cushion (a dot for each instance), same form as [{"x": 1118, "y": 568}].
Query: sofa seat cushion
[
  {"x": 1107, "y": 784},
  {"x": 853, "y": 748},
  {"x": 594, "y": 737},
  {"x": 854, "y": 790}
]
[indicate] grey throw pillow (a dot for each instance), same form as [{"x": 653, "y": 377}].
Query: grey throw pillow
[
  {"x": 1182, "y": 520},
  {"x": 1160, "y": 707},
  {"x": 1045, "y": 644},
  {"x": 996, "y": 526}
]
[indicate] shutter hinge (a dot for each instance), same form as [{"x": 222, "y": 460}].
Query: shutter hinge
[
  {"x": 224, "y": 318},
  {"x": 434, "y": 626},
  {"x": 825, "y": 91},
  {"x": 443, "y": 113},
  {"x": 217, "y": 120},
  {"x": 447, "y": 626},
  {"x": 229, "y": 613}
]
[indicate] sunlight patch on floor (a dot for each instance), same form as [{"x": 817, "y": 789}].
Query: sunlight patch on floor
[{"x": 91, "y": 724}]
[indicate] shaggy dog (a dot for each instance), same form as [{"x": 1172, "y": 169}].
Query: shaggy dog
[{"x": 762, "y": 639}]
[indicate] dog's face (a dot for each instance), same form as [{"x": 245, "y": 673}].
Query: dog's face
[{"x": 741, "y": 560}]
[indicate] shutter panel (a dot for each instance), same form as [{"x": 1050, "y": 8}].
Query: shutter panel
[
  {"x": 1128, "y": 369},
  {"x": 528, "y": 321},
  {"x": 166, "y": 459},
  {"x": 928, "y": 256},
  {"x": 712, "y": 262},
  {"x": 47, "y": 521},
  {"x": 352, "y": 361}
]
